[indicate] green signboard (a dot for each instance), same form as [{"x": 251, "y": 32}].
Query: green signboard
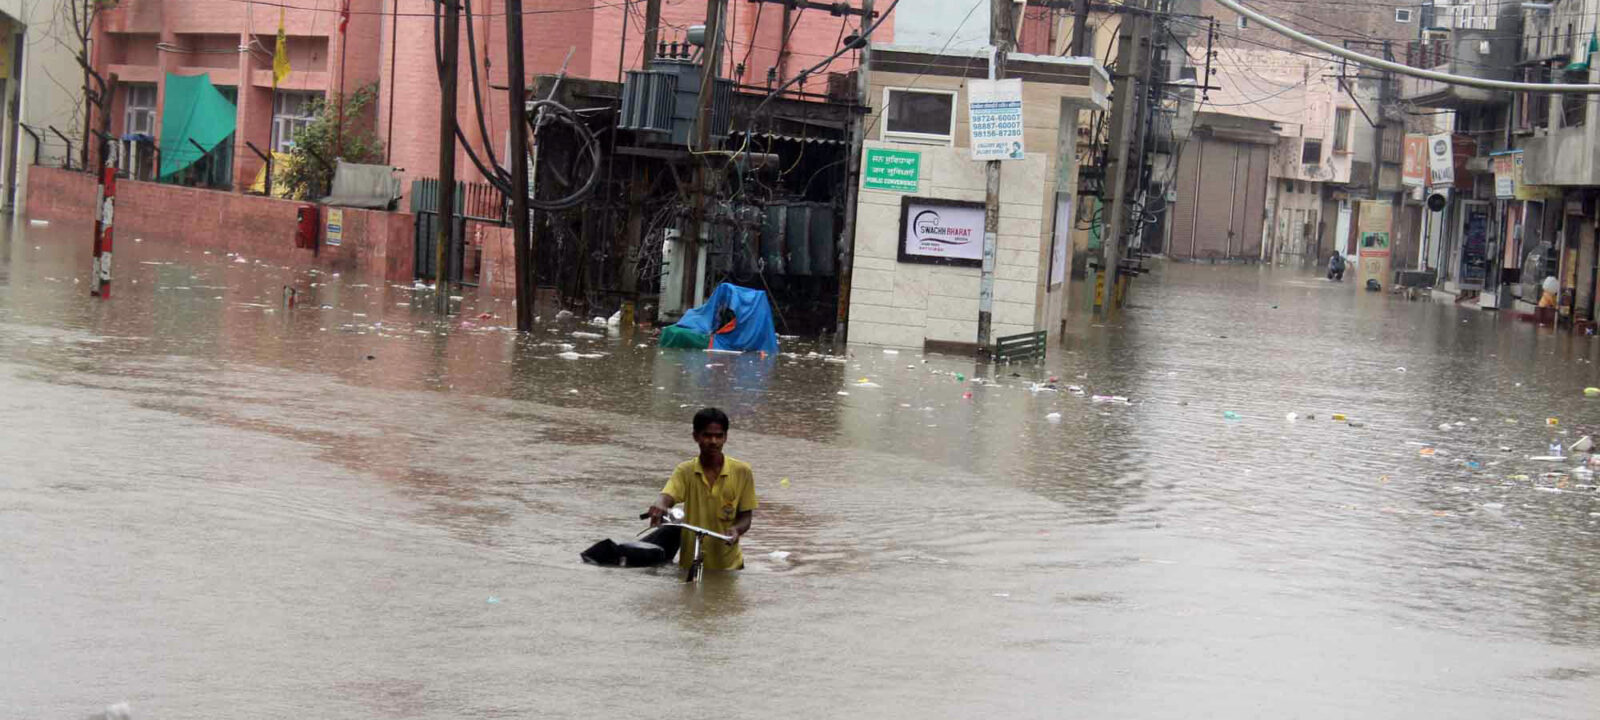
[{"x": 892, "y": 170}]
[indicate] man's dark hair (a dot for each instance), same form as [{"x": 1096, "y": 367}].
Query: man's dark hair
[{"x": 710, "y": 415}]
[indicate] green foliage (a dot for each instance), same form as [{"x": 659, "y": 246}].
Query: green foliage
[{"x": 305, "y": 177}]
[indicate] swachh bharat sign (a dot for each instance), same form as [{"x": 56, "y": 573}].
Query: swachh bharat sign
[
  {"x": 942, "y": 232},
  {"x": 892, "y": 170},
  {"x": 995, "y": 107}
]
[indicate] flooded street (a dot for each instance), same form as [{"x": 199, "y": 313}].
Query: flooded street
[{"x": 213, "y": 505}]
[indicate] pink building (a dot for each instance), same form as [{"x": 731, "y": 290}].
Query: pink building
[{"x": 391, "y": 42}]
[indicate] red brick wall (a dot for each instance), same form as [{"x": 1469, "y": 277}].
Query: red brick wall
[{"x": 375, "y": 242}]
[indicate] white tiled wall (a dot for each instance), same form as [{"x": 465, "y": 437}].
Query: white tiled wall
[{"x": 894, "y": 303}]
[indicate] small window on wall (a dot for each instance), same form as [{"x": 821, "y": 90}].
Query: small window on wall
[
  {"x": 1402, "y": 15},
  {"x": 1311, "y": 152},
  {"x": 291, "y": 113},
  {"x": 919, "y": 115},
  {"x": 1341, "y": 130},
  {"x": 139, "y": 112}
]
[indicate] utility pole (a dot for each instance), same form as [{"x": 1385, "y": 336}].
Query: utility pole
[
  {"x": 521, "y": 232},
  {"x": 652, "y": 23},
  {"x": 710, "y": 69},
  {"x": 447, "y": 153},
  {"x": 1080, "y": 29},
  {"x": 847, "y": 237},
  {"x": 1002, "y": 38},
  {"x": 638, "y": 185},
  {"x": 1132, "y": 38}
]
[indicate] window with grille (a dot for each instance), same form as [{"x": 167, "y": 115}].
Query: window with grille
[
  {"x": 139, "y": 110},
  {"x": 1393, "y": 148},
  {"x": 1533, "y": 109},
  {"x": 1311, "y": 152},
  {"x": 1573, "y": 107},
  {"x": 1341, "y": 130},
  {"x": 291, "y": 113}
]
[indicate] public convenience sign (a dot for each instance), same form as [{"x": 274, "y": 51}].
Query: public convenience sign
[
  {"x": 995, "y": 108},
  {"x": 944, "y": 232},
  {"x": 1415, "y": 170},
  {"x": 1441, "y": 161},
  {"x": 892, "y": 170}
]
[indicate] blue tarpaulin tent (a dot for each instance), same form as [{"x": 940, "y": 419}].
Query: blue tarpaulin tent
[{"x": 733, "y": 318}]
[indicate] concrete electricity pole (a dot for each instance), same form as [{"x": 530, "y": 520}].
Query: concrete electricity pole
[
  {"x": 521, "y": 234},
  {"x": 1002, "y": 38},
  {"x": 447, "y": 153},
  {"x": 710, "y": 70},
  {"x": 847, "y": 237},
  {"x": 1133, "y": 38}
]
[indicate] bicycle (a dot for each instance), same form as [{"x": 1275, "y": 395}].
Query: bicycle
[{"x": 676, "y": 514}]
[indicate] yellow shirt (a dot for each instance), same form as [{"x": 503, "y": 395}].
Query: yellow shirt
[{"x": 712, "y": 504}]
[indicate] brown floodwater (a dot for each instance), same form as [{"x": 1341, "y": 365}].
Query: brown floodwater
[{"x": 215, "y": 506}]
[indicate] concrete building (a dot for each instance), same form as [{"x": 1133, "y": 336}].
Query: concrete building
[
  {"x": 920, "y": 97},
  {"x": 1283, "y": 147},
  {"x": 1221, "y": 189},
  {"x": 390, "y": 43},
  {"x": 41, "y": 88},
  {"x": 1466, "y": 245}
]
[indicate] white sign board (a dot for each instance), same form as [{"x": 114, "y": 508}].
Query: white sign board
[
  {"x": 995, "y": 108},
  {"x": 945, "y": 232},
  {"x": 1062, "y": 239},
  {"x": 1441, "y": 161}
]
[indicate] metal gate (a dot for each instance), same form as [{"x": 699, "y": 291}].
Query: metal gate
[{"x": 479, "y": 202}]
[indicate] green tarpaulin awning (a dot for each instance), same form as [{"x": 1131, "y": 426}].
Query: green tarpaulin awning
[{"x": 193, "y": 110}]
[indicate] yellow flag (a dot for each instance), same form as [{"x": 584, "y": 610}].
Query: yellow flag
[{"x": 280, "y": 55}]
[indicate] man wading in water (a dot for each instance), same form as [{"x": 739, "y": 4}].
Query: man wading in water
[{"x": 718, "y": 493}]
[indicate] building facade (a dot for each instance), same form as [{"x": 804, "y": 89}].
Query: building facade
[
  {"x": 903, "y": 296},
  {"x": 40, "y": 88},
  {"x": 389, "y": 45}
]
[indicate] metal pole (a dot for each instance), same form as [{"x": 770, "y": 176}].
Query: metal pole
[
  {"x": 1002, "y": 36},
  {"x": 1080, "y": 30},
  {"x": 344, "y": 42},
  {"x": 447, "y": 154},
  {"x": 105, "y": 199},
  {"x": 847, "y": 236},
  {"x": 394, "y": 39},
  {"x": 711, "y": 62},
  {"x": 520, "y": 228}
]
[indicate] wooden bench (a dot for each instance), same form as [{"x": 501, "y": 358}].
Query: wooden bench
[{"x": 1017, "y": 348}]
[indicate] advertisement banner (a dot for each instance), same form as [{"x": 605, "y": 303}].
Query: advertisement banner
[
  {"x": 1505, "y": 180},
  {"x": 1415, "y": 170},
  {"x": 995, "y": 108},
  {"x": 1061, "y": 239},
  {"x": 1529, "y": 192},
  {"x": 943, "y": 232},
  {"x": 333, "y": 232},
  {"x": 1441, "y": 161},
  {"x": 1372, "y": 232}
]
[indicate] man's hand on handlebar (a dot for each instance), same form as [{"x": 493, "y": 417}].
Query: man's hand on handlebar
[{"x": 658, "y": 511}]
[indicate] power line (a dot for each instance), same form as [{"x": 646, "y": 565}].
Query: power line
[{"x": 1447, "y": 78}]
